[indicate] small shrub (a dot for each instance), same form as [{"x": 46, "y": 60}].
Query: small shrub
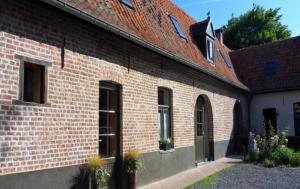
[
  {"x": 282, "y": 156},
  {"x": 282, "y": 140},
  {"x": 96, "y": 169},
  {"x": 95, "y": 162},
  {"x": 254, "y": 156},
  {"x": 296, "y": 160},
  {"x": 133, "y": 161},
  {"x": 246, "y": 158},
  {"x": 268, "y": 163},
  {"x": 101, "y": 175}
]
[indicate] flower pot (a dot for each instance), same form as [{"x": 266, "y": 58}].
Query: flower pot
[
  {"x": 132, "y": 180},
  {"x": 165, "y": 146},
  {"x": 100, "y": 186}
]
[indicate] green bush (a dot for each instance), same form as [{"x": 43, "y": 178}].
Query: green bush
[
  {"x": 296, "y": 160},
  {"x": 254, "y": 156},
  {"x": 282, "y": 156}
]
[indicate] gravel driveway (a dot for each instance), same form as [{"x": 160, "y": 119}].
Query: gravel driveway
[{"x": 246, "y": 176}]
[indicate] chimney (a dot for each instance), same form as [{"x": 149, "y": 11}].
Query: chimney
[{"x": 219, "y": 34}]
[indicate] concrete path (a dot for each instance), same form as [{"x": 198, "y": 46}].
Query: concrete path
[{"x": 186, "y": 178}]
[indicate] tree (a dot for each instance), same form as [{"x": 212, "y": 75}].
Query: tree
[{"x": 254, "y": 27}]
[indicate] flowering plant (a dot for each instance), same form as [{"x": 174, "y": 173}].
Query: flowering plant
[
  {"x": 97, "y": 170},
  {"x": 133, "y": 161}
]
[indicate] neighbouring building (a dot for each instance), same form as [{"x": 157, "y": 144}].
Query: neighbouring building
[
  {"x": 271, "y": 71},
  {"x": 81, "y": 78}
]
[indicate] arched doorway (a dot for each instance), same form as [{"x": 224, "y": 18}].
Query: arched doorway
[
  {"x": 237, "y": 128},
  {"x": 203, "y": 130}
]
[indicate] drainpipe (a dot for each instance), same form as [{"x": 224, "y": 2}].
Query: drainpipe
[{"x": 249, "y": 99}]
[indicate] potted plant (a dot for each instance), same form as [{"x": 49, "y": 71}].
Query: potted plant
[
  {"x": 165, "y": 144},
  {"x": 132, "y": 163},
  {"x": 97, "y": 172}
]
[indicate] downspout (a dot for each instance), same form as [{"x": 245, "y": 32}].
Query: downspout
[{"x": 120, "y": 32}]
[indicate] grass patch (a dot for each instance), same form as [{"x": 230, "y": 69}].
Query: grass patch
[{"x": 207, "y": 181}]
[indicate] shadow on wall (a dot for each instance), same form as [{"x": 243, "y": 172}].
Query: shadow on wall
[
  {"x": 239, "y": 143},
  {"x": 81, "y": 180},
  {"x": 210, "y": 125}
]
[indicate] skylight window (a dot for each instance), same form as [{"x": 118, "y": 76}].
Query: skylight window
[
  {"x": 177, "y": 26},
  {"x": 270, "y": 67},
  {"x": 128, "y": 3},
  {"x": 225, "y": 59}
]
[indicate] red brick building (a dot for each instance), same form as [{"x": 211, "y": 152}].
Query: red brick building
[{"x": 81, "y": 78}]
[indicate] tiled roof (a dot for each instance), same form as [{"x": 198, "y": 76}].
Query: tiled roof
[
  {"x": 149, "y": 21},
  {"x": 269, "y": 67}
]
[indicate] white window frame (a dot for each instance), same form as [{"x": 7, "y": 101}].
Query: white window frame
[
  {"x": 210, "y": 50},
  {"x": 164, "y": 115}
]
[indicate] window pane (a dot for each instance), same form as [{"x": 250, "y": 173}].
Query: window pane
[
  {"x": 34, "y": 83},
  {"x": 28, "y": 85},
  {"x": 166, "y": 124},
  {"x": 210, "y": 49},
  {"x": 104, "y": 99},
  {"x": 108, "y": 146},
  {"x": 108, "y": 119},
  {"x": 160, "y": 97},
  {"x": 128, "y": 2},
  {"x": 108, "y": 100},
  {"x": 161, "y": 122},
  {"x": 199, "y": 129},
  {"x": 108, "y": 123},
  {"x": 164, "y": 97},
  {"x": 198, "y": 116},
  {"x": 177, "y": 26}
]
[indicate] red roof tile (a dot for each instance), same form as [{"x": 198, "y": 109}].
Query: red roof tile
[
  {"x": 250, "y": 64},
  {"x": 149, "y": 20}
]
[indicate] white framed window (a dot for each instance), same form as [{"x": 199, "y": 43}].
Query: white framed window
[
  {"x": 164, "y": 114},
  {"x": 210, "y": 50}
]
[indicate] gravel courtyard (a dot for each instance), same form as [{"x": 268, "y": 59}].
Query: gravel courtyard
[{"x": 246, "y": 176}]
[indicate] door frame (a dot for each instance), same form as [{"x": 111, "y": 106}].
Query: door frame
[
  {"x": 114, "y": 163},
  {"x": 205, "y": 142}
]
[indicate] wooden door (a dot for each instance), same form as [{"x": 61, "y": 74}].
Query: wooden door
[
  {"x": 109, "y": 130},
  {"x": 200, "y": 131}
]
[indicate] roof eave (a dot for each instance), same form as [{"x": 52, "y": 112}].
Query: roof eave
[{"x": 120, "y": 32}]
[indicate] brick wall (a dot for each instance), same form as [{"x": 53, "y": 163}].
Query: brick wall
[{"x": 66, "y": 132}]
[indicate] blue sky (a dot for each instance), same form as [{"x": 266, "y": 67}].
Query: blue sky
[{"x": 221, "y": 10}]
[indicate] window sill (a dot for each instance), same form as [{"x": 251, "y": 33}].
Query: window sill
[
  {"x": 167, "y": 151},
  {"x": 23, "y": 103},
  {"x": 210, "y": 62}
]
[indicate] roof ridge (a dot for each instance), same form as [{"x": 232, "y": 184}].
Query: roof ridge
[{"x": 265, "y": 44}]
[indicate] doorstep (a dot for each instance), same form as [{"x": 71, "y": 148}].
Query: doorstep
[{"x": 186, "y": 178}]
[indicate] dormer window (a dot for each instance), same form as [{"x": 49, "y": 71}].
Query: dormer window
[
  {"x": 129, "y": 3},
  {"x": 177, "y": 27},
  {"x": 210, "y": 50}
]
